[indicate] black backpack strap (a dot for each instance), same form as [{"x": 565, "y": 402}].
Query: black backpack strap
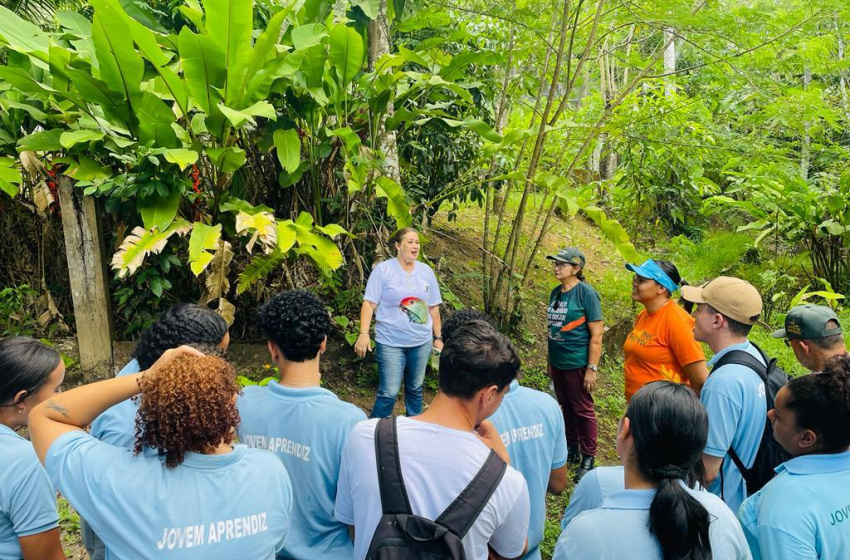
[
  {"x": 393, "y": 493},
  {"x": 743, "y": 358},
  {"x": 462, "y": 513}
]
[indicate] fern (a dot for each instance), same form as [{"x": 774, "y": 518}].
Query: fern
[{"x": 260, "y": 267}]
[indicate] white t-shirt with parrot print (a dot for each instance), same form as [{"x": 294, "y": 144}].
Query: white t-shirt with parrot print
[{"x": 402, "y": 318}]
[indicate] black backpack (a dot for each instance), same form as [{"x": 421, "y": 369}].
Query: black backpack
[
  {"x": 770, "y": 454},
  {"x": 403, "y": 535}
]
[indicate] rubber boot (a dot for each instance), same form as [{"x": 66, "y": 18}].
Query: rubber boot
[{"x": 587, "y": 465}]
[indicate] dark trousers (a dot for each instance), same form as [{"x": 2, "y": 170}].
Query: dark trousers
[{"x": 577, "y": 406}]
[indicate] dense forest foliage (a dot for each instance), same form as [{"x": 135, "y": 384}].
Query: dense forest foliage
[{"x": 238, "y": 147}]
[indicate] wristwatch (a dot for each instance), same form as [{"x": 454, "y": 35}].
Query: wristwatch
[
  {"x": 440, "y": 338},
  {"x": 593, "y": 367}
]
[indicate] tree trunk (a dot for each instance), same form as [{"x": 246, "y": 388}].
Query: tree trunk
[
  {"x": 88, "y": 277},
  {"x": 669, "y": 60},
  {"x": 806, "y": 148},
  {"x": 379, "y": 45}
]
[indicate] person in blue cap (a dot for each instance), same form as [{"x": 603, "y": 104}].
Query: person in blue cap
[
  {"x": 661, "y": 345},
  {"x": 804, "y": 512}
]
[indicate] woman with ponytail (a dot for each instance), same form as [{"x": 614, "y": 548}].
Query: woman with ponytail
[
  {"x": 804, "y": 512},
  {"x": 657, "y": 517}
]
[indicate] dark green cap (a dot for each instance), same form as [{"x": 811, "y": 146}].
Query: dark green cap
[
  {"x": 569, "y": 255},
  {"x": 807, "y": 322}
]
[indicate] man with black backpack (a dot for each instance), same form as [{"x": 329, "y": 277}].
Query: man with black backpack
[
  {"x": 437, "y": 485},
  {"x": 740, "y": 452}
]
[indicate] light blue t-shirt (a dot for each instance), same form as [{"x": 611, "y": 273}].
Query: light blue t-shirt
[
  {"x": 619, "y": 529},
  {"x": 402, "y": 318},
  {"x": 214, "y": 507},
  {"x": 117, "y": 424},
  {"x": 734, "y": 397},
  {"x": 27, "y": 499},
  {"x": 306, "y": 428},
  {"x": 532, "y": 428},
  {"x": 593, "y": 489},
  {"x": 803, "y": 513}
]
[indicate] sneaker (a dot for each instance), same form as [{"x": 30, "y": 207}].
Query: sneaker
[{"x": 587, "y": 465}]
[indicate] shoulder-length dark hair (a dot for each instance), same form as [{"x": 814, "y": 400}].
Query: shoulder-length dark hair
[{"x": 25, "y": 365}]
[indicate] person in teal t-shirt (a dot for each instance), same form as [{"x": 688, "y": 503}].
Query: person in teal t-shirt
[
  {"x": 574, "y": 320},
  {"x": 804, "y": 512}
]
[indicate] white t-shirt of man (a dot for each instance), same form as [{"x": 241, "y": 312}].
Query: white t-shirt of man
[{"x": 437, "y": 463}]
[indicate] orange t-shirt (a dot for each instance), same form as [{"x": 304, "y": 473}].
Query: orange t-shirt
[{"x": 658, "y": 346}]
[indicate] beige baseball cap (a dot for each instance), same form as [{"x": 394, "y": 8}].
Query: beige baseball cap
[{"x": 733, "y": 297}]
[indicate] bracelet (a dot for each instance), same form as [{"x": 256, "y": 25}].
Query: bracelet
[
  {"x": 440, "y": 338},
  {"x": 364, "y": 333}
]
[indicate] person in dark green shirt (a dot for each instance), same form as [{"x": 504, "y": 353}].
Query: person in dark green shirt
[{"x": 574, "y": 320}]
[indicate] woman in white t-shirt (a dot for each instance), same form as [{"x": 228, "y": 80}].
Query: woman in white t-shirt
[
  {"x": 660, "y": 441},
  {"x": 29, "y": 523},
  {"x": 406, "y": 295}
]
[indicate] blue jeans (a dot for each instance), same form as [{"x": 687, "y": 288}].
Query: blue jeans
[{"x": 393, "y": 364}]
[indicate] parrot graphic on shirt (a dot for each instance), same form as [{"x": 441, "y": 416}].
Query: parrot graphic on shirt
[{"x": 416, "y": 310}]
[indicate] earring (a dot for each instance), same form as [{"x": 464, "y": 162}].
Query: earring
[{"x": 21, "y": 410}]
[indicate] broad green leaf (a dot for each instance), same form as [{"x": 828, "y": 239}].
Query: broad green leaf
[
  {"x": 10, "y": 176},
  {"x": 84, "y": 169},
  {"x": 121, "y": 67},
  {"x": 305, "y": 36},
  {"x": 71, "y": 138},
  {"x": 227, "y": 159},
  {"x": 234, "y": 117},
  {"x": 22, "y": 36},
  {"x": 346, "y": 53},
  {"x": 80, "y": 27},
  {"x": 396, "y": 205},
  {"x": 369, "y": 7},
  {"x": 229, "y": 23},
  {"x": 285, "y": 236},
  {"x": 263, "y": 49},
  {"x": 47, "y": 141},
  {"x": 142, "y": 242},
  {"x": 288, "y": 148},
  {"x": 182, "y": 157},
  {"x": 59, "y": 59},
  {"x": 204, "y": 239},
  {"x": 321, "y": 249},
  {"x": 158, "y": 212},
  {"x": 332, "y": 230},
  {"x": 155, "y": 118},
  {"x": 203, "y": 67},
  {"x": 350, "y": 138}
]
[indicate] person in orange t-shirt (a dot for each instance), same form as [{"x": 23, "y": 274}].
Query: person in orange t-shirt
[{"x": 661, "y": 344}]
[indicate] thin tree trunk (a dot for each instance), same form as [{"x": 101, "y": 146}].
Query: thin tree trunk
[
  {"x": 669, "y": 61},
  {"x": 806, "y": 148},
  {"x": 379, "y": 45},
  {"x": 845, "y": 103},
  {"x": 501, "y": 119}
]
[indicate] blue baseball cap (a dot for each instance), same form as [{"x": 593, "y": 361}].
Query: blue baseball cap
[{"x": 649, "y": 269}]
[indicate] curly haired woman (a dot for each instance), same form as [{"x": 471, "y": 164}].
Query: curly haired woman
[{"x": 201, "y": 490}]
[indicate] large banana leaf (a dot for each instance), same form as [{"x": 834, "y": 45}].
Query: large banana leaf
[
  {"x": 229, "y": 24},
  {"x": 121, "y": 67},
  {"x": 346, "y": 54},
  {"x": 203, "y": 67}
]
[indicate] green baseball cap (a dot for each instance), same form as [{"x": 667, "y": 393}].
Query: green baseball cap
[
  {"x": 569, "y": 255},
  {"x": 809, "y": 321}
]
